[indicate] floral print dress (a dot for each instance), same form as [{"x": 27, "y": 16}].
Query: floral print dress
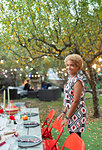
[{"x": 77, "y": 122}]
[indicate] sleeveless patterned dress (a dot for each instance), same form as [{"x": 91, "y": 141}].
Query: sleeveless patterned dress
[{"x": 77, "y": 122}]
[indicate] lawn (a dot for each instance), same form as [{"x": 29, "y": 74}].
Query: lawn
[{"x": 93, "y": 135}]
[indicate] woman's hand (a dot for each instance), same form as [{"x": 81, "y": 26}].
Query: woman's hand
[
  {"x": 60, "y": 116},
  {"x": 64, "y": 122}
]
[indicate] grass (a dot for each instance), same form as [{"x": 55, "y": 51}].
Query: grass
[{"x": 93, "y": 135}]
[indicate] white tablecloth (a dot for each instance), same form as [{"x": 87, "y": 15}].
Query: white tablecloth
[{"x": 11, "y": 143}]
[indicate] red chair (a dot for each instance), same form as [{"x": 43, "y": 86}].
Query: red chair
[
  {"x": 74, "y": 142},
  {"x": 51, "y": 144},
  {"x": 44, "y": 128}
]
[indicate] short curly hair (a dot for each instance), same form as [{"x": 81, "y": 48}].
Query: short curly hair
[{"x": 77, "y": 59}]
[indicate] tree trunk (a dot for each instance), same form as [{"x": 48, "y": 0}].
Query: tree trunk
[
  {"x": 15, "y": 84},
  {"x": 94, "y": 92}
]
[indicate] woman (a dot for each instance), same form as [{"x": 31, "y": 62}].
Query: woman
[
  {"x": 27, "y": 86},
  {"x": 75, "y": 108}
]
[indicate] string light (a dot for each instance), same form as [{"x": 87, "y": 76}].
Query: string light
[
  {"x": 2, "y": 61},
  {"x": 63, "y": 69},
  {"x": 5, "y": 71},
  {"x": 31, "y": 59},
  {"x": 65, "y": 74},
  {"x": 100, "y": 59},
  {"x": 26, "y": 67},
  {"x": 5, "y": 76},
  {"x": 98, "y": 69},
  {"x": 21, "y": 69},
  {"x": 94, "y": 66}
]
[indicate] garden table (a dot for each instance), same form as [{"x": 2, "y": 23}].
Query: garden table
[{"x": 12, "y": 144}]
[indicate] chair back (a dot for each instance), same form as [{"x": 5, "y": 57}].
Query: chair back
[
  {"x": 48, "y": 119},
  {"x": 74, "y": 142},
  {"x": 57, "y": 125}
]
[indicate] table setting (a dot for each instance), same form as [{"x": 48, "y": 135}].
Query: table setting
[{"x": 20, "y": 128}]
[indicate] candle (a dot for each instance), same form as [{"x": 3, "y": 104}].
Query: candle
[
  {"x": 4, "y": 99},
  {"x": 8, "y": 96}
]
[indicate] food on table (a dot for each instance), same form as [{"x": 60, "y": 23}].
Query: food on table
[{"x": 25, "y": 117}]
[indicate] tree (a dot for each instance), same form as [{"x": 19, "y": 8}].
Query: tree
[{"x": 33, "y": 29}]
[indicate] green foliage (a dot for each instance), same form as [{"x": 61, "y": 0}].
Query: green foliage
[
  {"x": 53, "y": 28},
  {"x": 34, "y": 29}
]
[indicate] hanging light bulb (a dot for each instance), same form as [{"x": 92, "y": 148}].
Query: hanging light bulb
[
  {"x": 94, "y": 66},
  {"x": 2, "y": 61},
  {"x": 26, "y": 67},
  {"x": 100, "y": 59},
  {"x": 31, "y": 59},
  {"x": 5, "y": 71},
  {"x": 15, "y": 69},
  {"x": 98, "y": 69},
  {"x": 65, "y": 74}
]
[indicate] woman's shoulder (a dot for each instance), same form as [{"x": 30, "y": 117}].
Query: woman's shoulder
[{"x": 77, "y": 77}]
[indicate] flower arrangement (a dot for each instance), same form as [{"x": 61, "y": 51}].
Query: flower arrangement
[
  {"x": 1, "y": 110},
  {"x": 12, "y": 117}
]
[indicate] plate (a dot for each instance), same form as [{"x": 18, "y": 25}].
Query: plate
[
  {"x": 30, "y": 114},
  {"x": 28, "y": 141},
  {"x": 29, "y": 124}
]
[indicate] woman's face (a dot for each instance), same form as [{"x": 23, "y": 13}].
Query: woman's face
[{"x": 71, "y": 68}]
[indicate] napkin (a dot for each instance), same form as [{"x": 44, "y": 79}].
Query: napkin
[
  {"x": 30, "y": 123},
  {"x": 34, "y": 140},
  {"x": 2, "y": 143},
  {"x": 30, "y": 114},
  {"x": 8, "y": 134}
]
